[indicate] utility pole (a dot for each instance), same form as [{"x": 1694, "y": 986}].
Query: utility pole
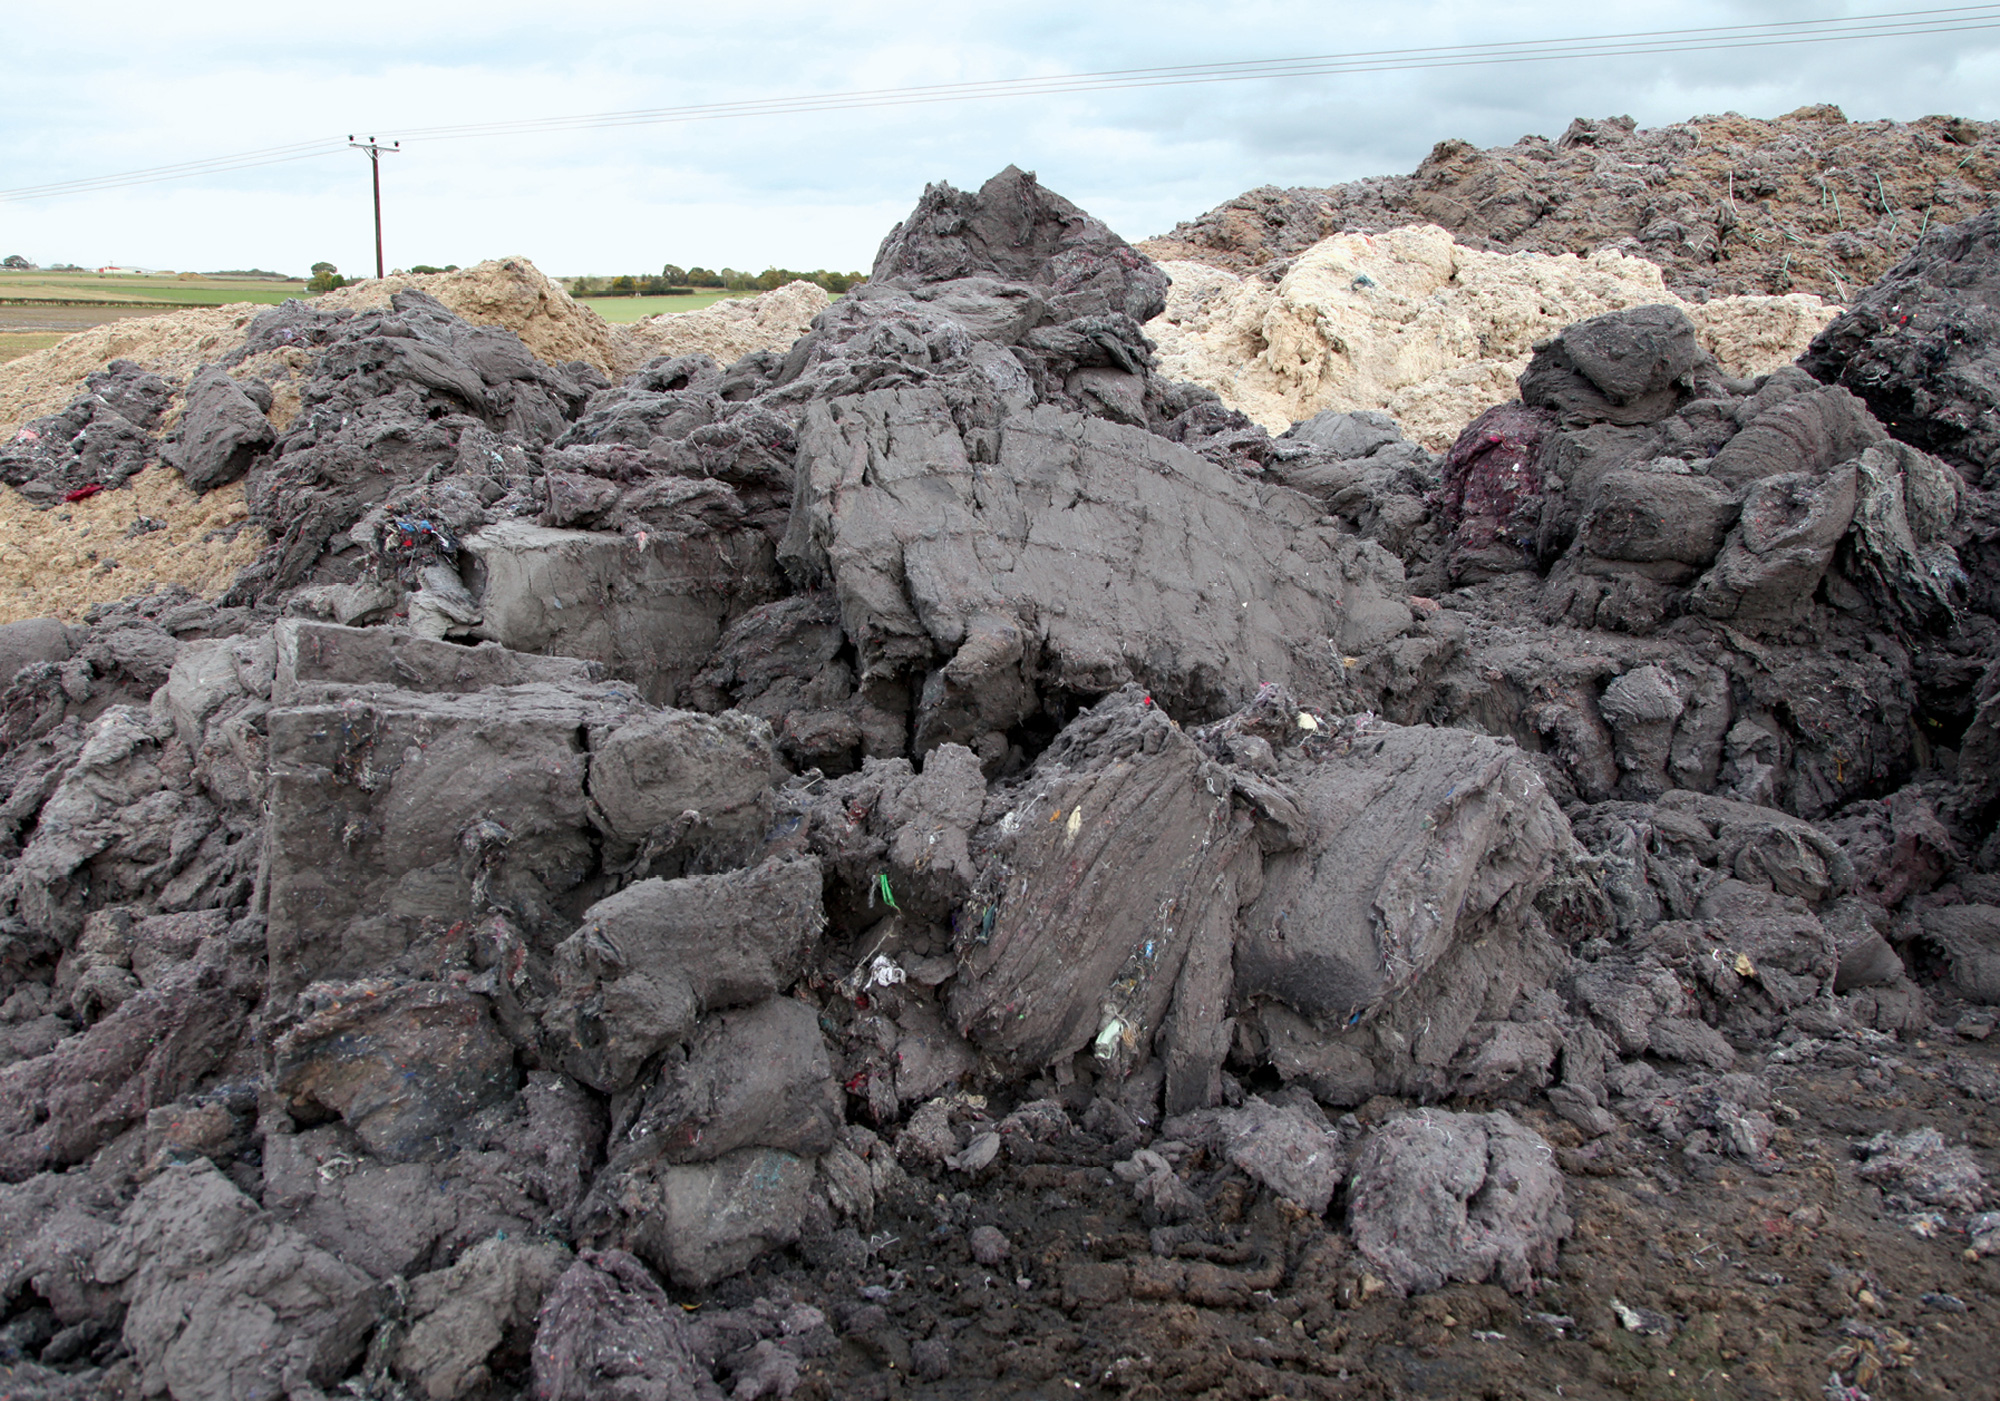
[{"x": 376, "y": 150}]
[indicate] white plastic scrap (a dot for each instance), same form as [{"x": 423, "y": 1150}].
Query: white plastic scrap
[
  {"x": 1648, "y": 1321},
  {"x": 1106, "y": 1045},
  {"x": 1926, "y": 1224},
  {"x": 884, "y": 972}
]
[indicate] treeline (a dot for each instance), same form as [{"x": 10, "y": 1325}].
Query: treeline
[
  {"x": 673, "y": 280},
  {"x": 326, "y": 277}
]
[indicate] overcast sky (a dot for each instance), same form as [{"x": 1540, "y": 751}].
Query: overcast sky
[{"x": 142, "y": 85}]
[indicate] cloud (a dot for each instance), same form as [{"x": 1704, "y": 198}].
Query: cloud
[{"x": 816, "y": 190}]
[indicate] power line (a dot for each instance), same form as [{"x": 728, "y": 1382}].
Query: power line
[
  {"x": 242, "y": 160},
  {"x": 1709, "y": 39},
  {"x": 1902, "y": 24}
]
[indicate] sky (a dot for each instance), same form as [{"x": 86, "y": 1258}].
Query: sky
[{"x": 146, "y": 85}]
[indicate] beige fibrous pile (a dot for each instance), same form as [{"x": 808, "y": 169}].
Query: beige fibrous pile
[
  {"x": 726, "y": 330},
  {"x": 58, "y": 562},
  {"x": 1430, "y": 331}
]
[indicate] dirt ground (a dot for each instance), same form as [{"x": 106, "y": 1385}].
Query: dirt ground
[
  {"x": 1742, "y": 1285},
  {"x": 29, "y": 317}
]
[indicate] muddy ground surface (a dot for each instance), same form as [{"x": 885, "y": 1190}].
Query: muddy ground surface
[
  {"x": 1744, "y": 1284},
  {"x": 1741, "y": 1283}
]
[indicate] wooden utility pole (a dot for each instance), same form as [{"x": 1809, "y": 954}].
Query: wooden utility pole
[{"x": 375, "y": 152}]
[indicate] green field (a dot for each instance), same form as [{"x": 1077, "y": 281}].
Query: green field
[
  {"x": 15, "y": 344},
  {"x": 38, "y": 308},
  {"x": 624, "y": 310},
  {"x": 41, "y": 286}
]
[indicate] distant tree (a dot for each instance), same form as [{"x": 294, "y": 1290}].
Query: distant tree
[
  {"x": 581, "y": 287},
  {"x": 624, "y": 286},
  {"x": 427, "y": 268},
  {"x": 702, "y": 277},
  {"x": 325, "y": 278},
  {"x": 674, "y": 276},
  {"x": 15, "y": 261}
]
